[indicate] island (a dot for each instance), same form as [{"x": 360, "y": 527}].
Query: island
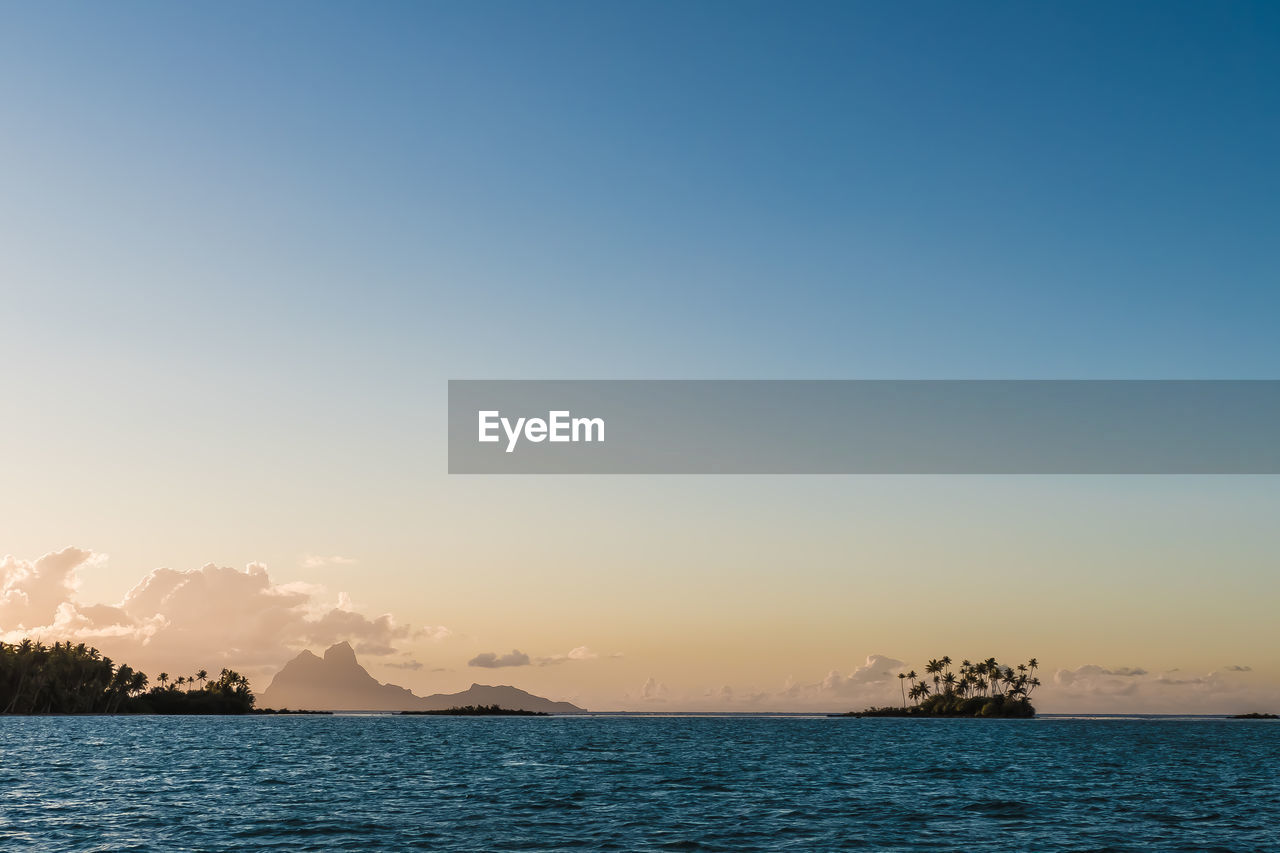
[
  {"x": 475, "y": 711},
  {"x": 73, "y": 678},
  {"x": 1255, "y": 716},
  {"x": 286, "y": 712},
  {"x": 77, "y": 679},
  {"x": 984, "y": 689},
  {"x": 337, "y": 681}
]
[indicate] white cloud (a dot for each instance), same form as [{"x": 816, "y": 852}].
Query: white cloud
[
  {"x": 578, "y": 654},
  {"x": 209, "y": 617},
  {"x": 32, "y": 592},
  {"x": 315, "y": 561},
  {"x": 879, "y": 669}
]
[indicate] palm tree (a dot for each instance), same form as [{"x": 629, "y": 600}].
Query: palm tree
[
  {"x": 993, "y": 673},
  {"x": 163, "y": 678},
  {"x": 902, "y": 683},
  {"x": 120, "y": 687},
  {"x": 138, "y": 683},
  {"x": 202, "y": 676},
  {"x": 934, "y": 667}
]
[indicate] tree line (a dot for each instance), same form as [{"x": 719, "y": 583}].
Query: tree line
[{"x": 77, "y": 679}]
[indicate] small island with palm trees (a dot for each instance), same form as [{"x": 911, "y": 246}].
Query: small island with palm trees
[
  {"x": 76, "y": 679},
  {"x": 475, "y": 711},
  {"x": 983, "y": 689}
]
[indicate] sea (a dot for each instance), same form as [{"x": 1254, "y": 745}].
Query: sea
[{"x": 638, "y": 783}]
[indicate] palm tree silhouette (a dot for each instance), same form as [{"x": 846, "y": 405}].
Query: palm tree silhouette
[
  {"x": 982, "y": 689},
  {"x": 934, "y": 667}
]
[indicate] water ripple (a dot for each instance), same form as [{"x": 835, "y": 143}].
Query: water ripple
[{"x": 645, "y": 784}]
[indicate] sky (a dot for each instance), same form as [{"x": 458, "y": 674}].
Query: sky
[{"x": 245, "y": 247}]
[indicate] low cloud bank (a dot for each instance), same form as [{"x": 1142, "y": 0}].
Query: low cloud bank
[
  {"x": 1131, "y": 689},
  {"x": 1091, "y": 688},
  {"x": 209, "y": 617},
  {"x": 492, "y": 660}
]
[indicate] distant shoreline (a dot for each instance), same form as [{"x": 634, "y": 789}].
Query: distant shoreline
[
  {"x": 693, "y": 715},
  {"x": 475, "y": 711}
]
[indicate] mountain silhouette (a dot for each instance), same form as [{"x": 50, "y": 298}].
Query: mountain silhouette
[{"x": 337, "y": 682}]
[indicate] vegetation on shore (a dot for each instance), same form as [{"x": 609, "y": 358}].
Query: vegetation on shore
[
  {"x": 76, "y": 679},
  {"x": 287, "y": 712},
  {"x": 983, "y": 689},
  {"x": 1255, "y": 716},
  {"x": 476, "y": 711}
]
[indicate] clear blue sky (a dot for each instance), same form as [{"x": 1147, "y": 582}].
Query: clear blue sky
[{"x": 736, "y": 189}]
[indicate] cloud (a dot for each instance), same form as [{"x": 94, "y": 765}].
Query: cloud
[
  {"x": 209, "y": 617},
  {"x": 1212, "y": 679},
  {"x": 874, "y": 682},
  {"x": 1135, "y": 690},
  {"x": 314, "y": 561},
  {"x": 1094, "y": 674},
  {"x": 1100, "y": 681},
  {"x": 878, "y": 670},
  {"x": 653, "y": 691},
  {"x": 32, "y": 592},
  {"x": 491, "y": 660},
  {"x": 727, "y": 696},
  {"x": 580, "y": 653},
  {"x": 411, "y": 665}
]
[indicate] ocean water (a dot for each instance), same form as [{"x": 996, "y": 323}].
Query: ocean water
[{"x": 637, "y": 783}]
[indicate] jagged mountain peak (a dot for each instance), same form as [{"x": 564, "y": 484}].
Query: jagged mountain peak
[{"x": 337, "y": 682}]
